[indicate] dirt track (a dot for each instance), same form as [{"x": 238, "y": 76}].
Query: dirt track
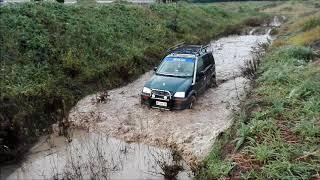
[{"x": 194, "y": 130}]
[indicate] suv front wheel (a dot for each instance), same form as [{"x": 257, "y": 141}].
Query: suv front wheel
[
  {"x": 213, "y": 82},
  {"x": 192, "y": 101}
]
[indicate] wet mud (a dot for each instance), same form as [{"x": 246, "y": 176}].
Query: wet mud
[{"x": 96, "y": 156}]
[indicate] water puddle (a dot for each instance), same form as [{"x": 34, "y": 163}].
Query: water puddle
[{"x": 95, "y": 155}]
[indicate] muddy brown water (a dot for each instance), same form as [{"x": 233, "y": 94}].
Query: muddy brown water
[
  {"x": 124, "y": 140},
  {"x": 93, "y": 156}
]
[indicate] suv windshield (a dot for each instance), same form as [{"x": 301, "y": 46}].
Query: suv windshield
[{"x": 176, "y": 66}]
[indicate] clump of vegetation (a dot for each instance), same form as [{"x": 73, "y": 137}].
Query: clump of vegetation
[
  {"x": 276, "y": 133},
  {"x": 52, "y": 54},
  {"x": 278, "y": 130},
  {"x": 311, "y": 23},
  {"x": 306, "y": 38},
  {"x": 301, "y": 32},
  {"x": 171, "y": 164}
]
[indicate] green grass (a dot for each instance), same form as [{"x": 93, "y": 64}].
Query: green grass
[
  {"x": 277, "y": 132},
  {"x": 283, "y": 135},
  {"x": 52, "y": 55}
]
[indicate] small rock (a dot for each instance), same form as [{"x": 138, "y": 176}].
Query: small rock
[
  {"x": 124, "y": 129},
  {"x": 189, "y": 139}
]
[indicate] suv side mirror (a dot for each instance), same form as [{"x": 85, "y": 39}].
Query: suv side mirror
[{"x": 155, "y": 68}]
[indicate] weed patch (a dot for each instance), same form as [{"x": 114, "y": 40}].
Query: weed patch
[{"x": 276, "y": 132}]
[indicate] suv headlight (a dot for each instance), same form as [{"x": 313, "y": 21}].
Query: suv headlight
[
  {"x": 180, "y": 94},
  {"x": 146, "y": 90}
]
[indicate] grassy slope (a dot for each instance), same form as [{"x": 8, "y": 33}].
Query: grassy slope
[
  {"x": 276, "y": 135},
  {"x": 52, "y": 55}
]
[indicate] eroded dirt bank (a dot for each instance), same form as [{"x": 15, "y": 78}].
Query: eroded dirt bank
[{"x": 194, "y": 130}]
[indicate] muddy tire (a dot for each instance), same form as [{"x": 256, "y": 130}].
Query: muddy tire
[
  {"x": 213, "y": 82},
  {"x": 193, "y": 100}
]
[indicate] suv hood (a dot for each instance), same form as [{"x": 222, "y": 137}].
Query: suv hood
[{"x": 169, "y": 83}]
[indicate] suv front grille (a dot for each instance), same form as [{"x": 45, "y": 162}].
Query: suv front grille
[{"x": 160, "y": 94}]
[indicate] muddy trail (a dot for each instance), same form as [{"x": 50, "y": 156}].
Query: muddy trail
[
  {"x": 192, "y": 130},
  {"x": 120, "y": 139}
]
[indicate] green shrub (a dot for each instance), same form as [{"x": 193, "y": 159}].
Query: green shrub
[
  {"x": 263, "y": 152},
  {"x": 311, "y": 23},
  {"x": 303, "y": 53},
  {"x": 221, "y": 168},
  {"x": 71, "y": 65}
]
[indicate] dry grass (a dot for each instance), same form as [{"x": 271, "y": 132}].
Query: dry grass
[
  {"x": 306, "y": 38},
  {"x": 290, "y": 8},
  {"x": 300, "y": 32},
  {"x": 303, "y": 22}
]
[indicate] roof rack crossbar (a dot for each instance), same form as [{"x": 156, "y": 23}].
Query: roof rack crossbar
[
  {"x": 172, "y": 48},
  {"x": 188, "y": 49}
]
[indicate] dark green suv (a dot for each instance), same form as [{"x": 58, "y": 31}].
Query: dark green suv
[{"x": 182, "y": 75}]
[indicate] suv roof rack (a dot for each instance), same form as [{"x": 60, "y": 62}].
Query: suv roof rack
[{"x": 182, "y": 48}]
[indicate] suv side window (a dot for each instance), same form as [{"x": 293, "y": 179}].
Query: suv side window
[
  {"x": 200, "y": 65},
  {"x": 211, "y": 58}
]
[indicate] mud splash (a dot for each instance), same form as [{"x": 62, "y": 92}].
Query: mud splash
[{"x": 267, "y": 27}]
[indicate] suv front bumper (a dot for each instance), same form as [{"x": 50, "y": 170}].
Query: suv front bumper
[{"x": 174, "y": 103}]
